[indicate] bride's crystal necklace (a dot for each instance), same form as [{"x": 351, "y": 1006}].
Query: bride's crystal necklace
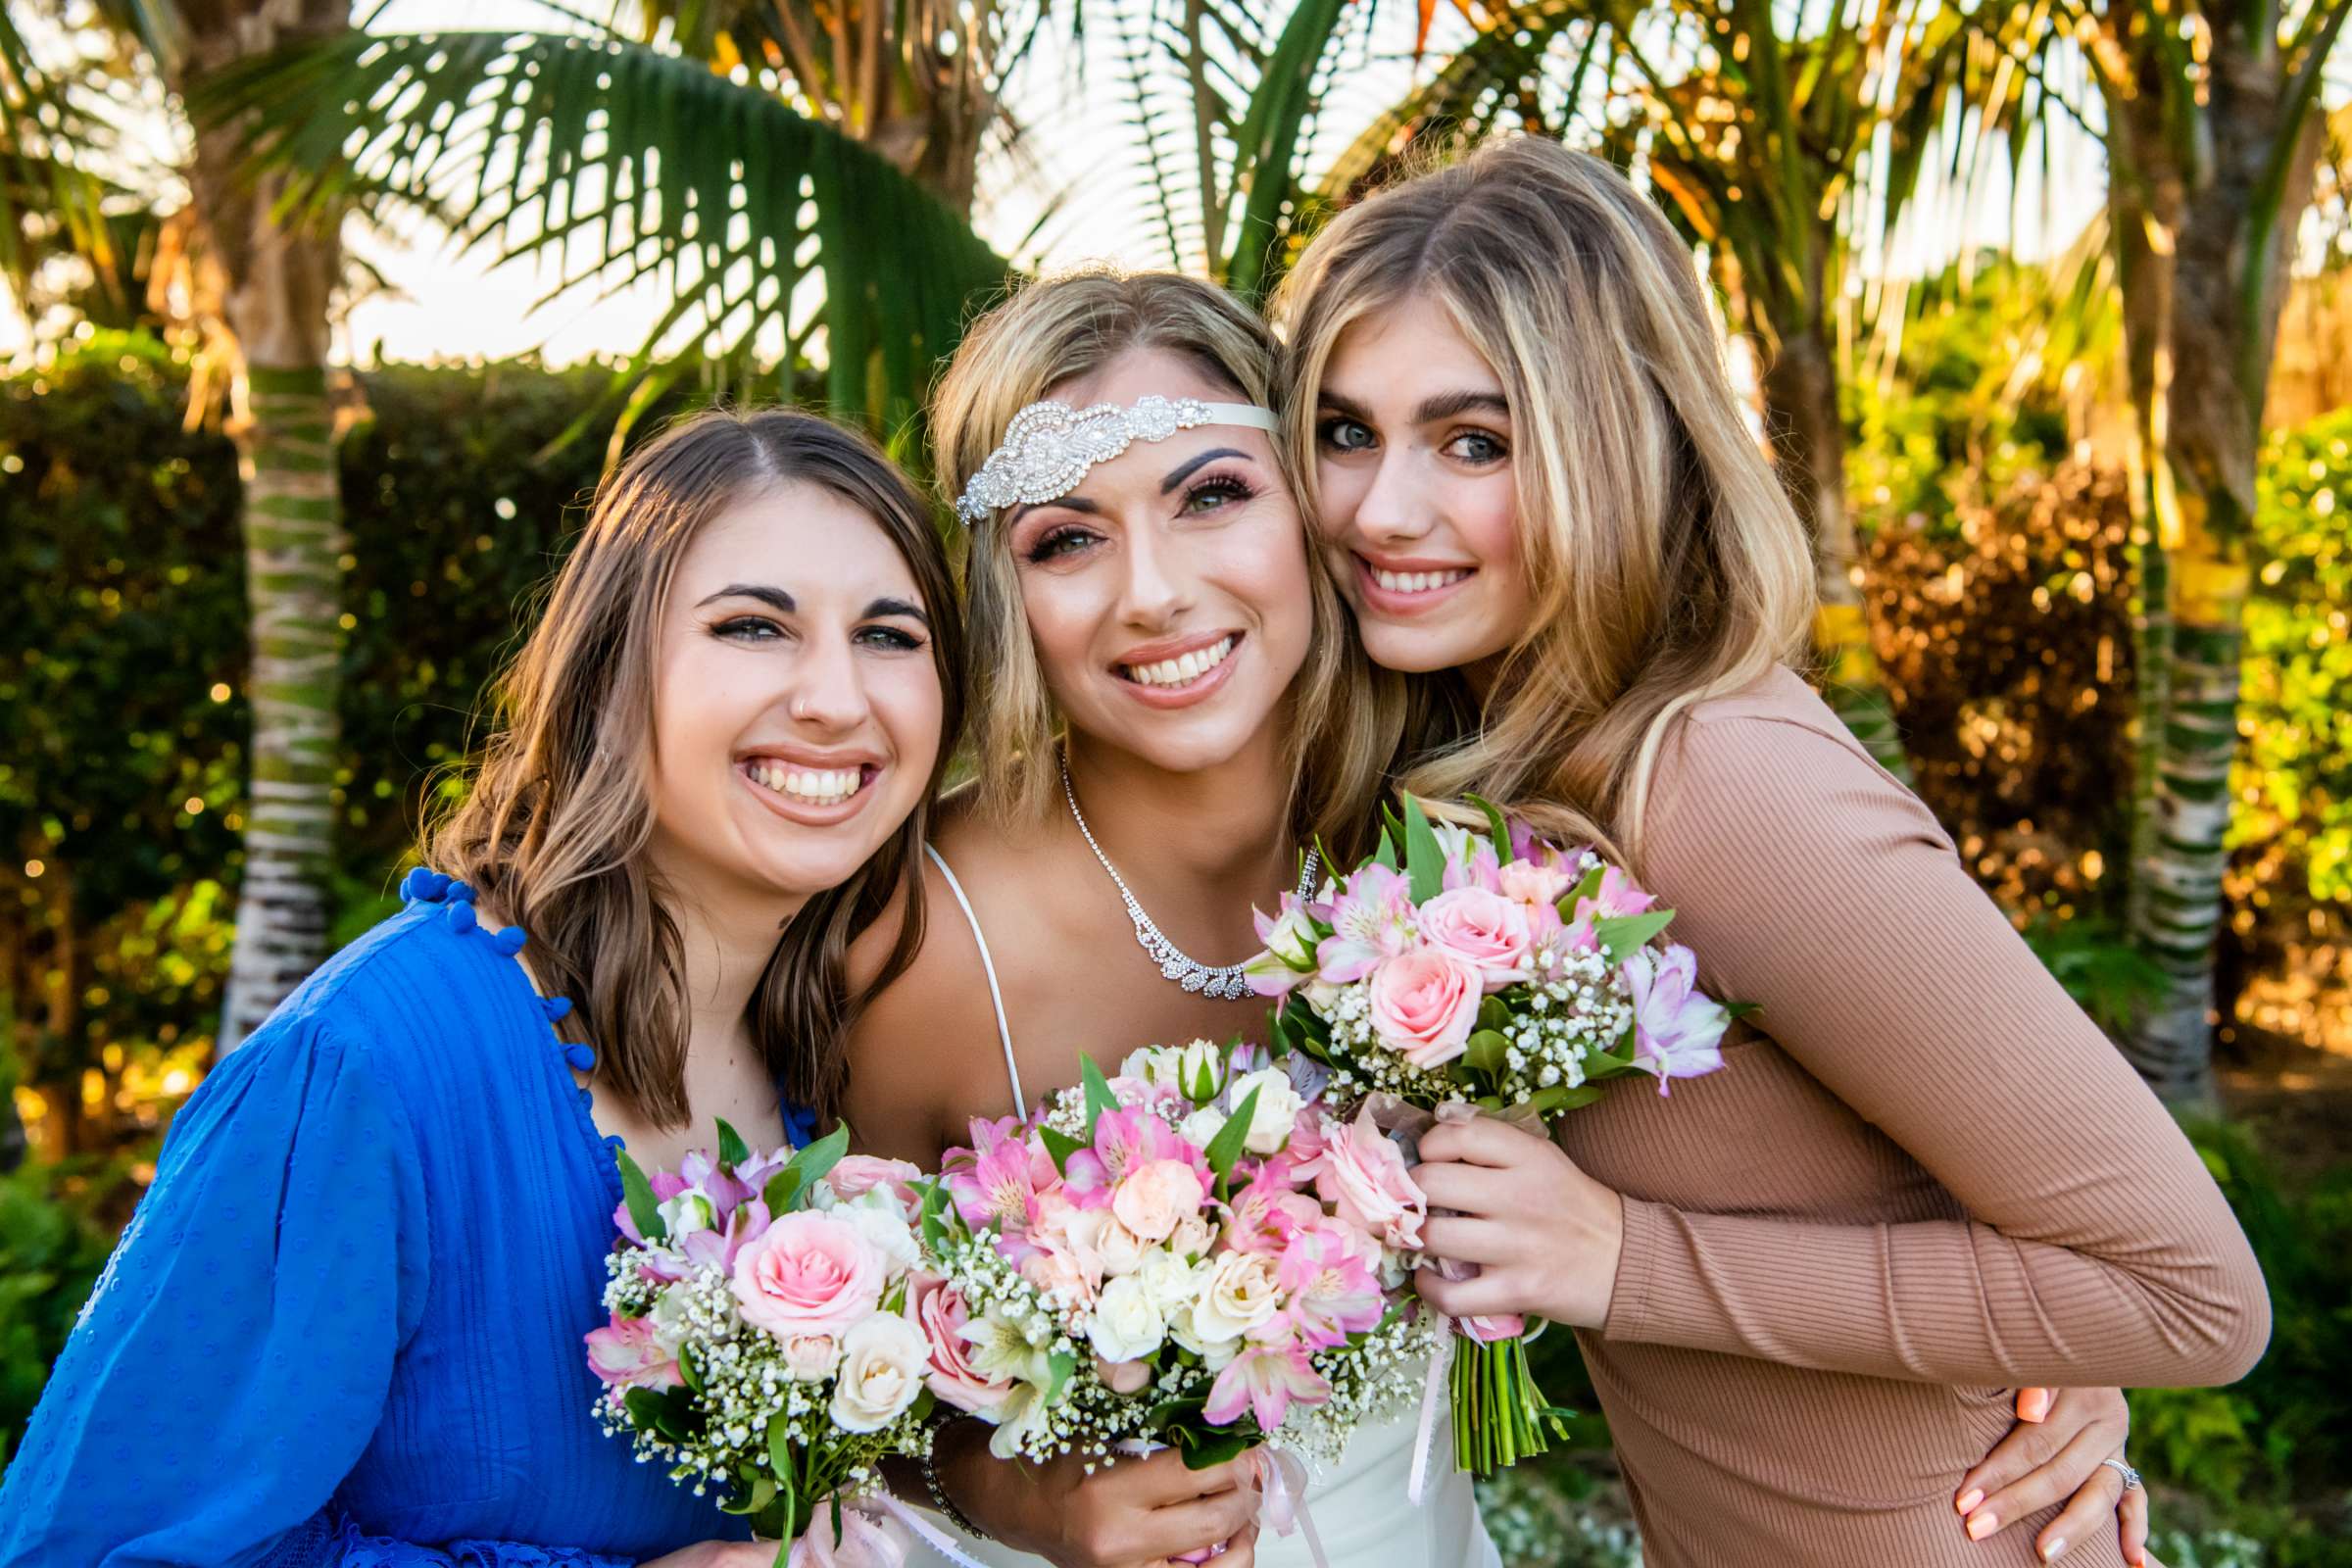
[{"x": 1224, "y": 982}]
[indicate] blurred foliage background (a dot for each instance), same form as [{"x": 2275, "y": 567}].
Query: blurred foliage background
[{"x": 2011, "y": 466}]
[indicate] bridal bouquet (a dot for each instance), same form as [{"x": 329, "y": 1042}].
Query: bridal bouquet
[
  {"x": 1191, "y": 1253},
  {"x": 1459, "y": 971},
  {"x": 760, "y": 1340}
]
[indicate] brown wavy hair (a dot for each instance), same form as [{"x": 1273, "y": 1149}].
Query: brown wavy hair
[{"x": 561, "y": 809}]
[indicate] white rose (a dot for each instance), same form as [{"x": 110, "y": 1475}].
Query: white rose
[
  {"x": 874, "y": 1214},
  {"x": 1278, "y": 1106},
  {"x": 1184, "y": 1329},
  {"x": 1167, "y": 1279},
  {"x": 1121, "y": 1250},
  {"x": 1200, "y": 1069},
  {"x": 1238, "y": 1295},
  {"x": 883, "y": 1360},
  {"x": 1191, "y": 1237},
  {"x": 1125, "y": 1326},
  {"x": 811, "y": 1357},
  {"x": 1201, "y": 1127},
  {"x": 1153, "y": 1065}
]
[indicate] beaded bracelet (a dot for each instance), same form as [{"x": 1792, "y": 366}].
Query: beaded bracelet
[{"x": 929, "y": 1465}]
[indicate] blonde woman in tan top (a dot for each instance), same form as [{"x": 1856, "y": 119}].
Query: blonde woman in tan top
[{"x": 1805, "y": 1284}]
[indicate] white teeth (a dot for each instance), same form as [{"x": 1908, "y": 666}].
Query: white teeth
[
  {"x": 1182, "y": 669},
  {"x": 820, "y": 786},
  {"x": 1416, "y": 582}
]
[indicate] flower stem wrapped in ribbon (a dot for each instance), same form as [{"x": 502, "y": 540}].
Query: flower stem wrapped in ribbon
[
  {"x": 760, "y": 1339},
  {"x": 1458, "y": 972}
]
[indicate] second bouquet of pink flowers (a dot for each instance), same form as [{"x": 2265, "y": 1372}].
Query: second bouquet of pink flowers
[
  {"x": 1457, "y": 971},
  {"x": 1187, "y": 1253}
]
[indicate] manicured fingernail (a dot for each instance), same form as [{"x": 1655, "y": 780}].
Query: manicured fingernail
[
  {"x": 2057, "y": 1544},
  {"x": 1969, "y": 1498},
  {"x": 2035, "y": 1405},
  {"x": 1981, "y": 1525}
]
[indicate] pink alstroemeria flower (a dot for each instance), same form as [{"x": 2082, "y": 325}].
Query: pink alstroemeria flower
[
  {"x": 626, "y": 1353},
  {"x": 1123, "y": 1139},
  {"x": 1371, "y": 920},
  {"x": 992, "y": 1181},
  {"x": 1266, "y": 1380},
  {"x": 744, "y": 1226},
  {"x": 1330, "y": 1282},
  {"x": 1268, "y": 1211},
  {"x": 1678, "y": 1029}
]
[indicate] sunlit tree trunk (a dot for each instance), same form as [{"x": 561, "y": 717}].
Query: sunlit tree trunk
[
  {"x": 1808, "y": 440},
  {"x": 2242, "y": 188},
  {"x": 274, "y": 285}
]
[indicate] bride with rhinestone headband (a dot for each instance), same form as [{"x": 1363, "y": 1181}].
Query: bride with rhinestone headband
[{"x": 1139, "y": 582}]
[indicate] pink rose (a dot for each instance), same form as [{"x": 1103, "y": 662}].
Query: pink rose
[
  {"x": 1424, "y": 1004},
  {"x": 809, "y": 1274},
  {"x": 1537, "y": 887},
  {"x": 1123, "y": 1377},
  {"x": 626, "y": 1353},
  {"x": 855, "y": 1174},
  {"x": 940, "y": 1312},
  {"x": 1486, "y": 928},
  {"x": 1153, "y": 1198},
  {"x": 1363, "y": 1177},
  {"x": 812, "y": 1357}
]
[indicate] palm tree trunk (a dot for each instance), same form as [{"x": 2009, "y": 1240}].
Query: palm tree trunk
[
  {"x": 293, "y": 552},
  {"x": 275, "y": 283},
  {"x": 2215, "y": 336},
  {"x": 1808, "y": 441}
]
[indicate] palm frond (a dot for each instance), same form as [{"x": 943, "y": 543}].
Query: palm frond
[
  {"x": 51, "y": 200},
  {"x": 644, "y": 163}
]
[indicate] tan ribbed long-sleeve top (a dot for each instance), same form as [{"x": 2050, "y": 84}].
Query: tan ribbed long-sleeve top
[{"x": 1923, "y": 1178}]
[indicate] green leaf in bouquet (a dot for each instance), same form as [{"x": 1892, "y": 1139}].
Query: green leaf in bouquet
[
  {"x": 1484, "y": 1051},
  {"x": 1225, "y": 1148},
  {"x": 690, "y": 1368},
  {"x": 788, "y": 1188},
  {"x": 732, "y": 1149},
  {"x": 1392, "y": 840},
  {"x": 1559, "y": 1097},
  {"x": 779, "y": 1450},
  {"x": 1203, "y": 1449},
  {"x": 1061, "y": 1146},
  {"x": 1588, "y": 887},
  {"x": 935, "y": 1204},
  {"x": 1623, "y": 934},
  {"x": 1424, "y": 860},
  {"x": 1499, "y": 828},
  {"x": 638, "y": 1194},
  {"x": 668, "y": 1414},
  {"x": 1493, "y": 1013},
  {"x": 1062, "y": 1365},
  {"x": 1741, "y": 1009},
  {"x": 1099, "y": 1098}
]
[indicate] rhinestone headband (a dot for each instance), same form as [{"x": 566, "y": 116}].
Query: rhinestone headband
[{"x": 1049, "y": 446}]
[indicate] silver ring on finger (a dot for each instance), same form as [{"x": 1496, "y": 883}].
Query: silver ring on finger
[{"x": 2129, "y": 1475}]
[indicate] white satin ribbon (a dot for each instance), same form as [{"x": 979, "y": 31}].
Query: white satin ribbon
[
  {"x": 1441, "y": 1361},
  {"x": 929, "y": 1533}
]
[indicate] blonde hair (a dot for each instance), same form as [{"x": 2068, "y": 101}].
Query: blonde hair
[
  {"x": 554, "y": 826},
  {"x": 1664, "y": 561},
  {"x": 1052, "y": 331}
]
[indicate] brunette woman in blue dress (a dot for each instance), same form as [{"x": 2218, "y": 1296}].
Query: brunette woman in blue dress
[{"x": 345, "y": 1325}]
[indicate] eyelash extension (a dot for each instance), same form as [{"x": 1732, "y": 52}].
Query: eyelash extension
[
  {"x": 903, "y": 642},
  {"x": 1230, "y": 486},
  {"x": 733, "y": 628},
  {"x": 1051, "y": 542}
]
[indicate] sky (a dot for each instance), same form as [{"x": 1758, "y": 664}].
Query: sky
[{"x": 1084, "y": 200}]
